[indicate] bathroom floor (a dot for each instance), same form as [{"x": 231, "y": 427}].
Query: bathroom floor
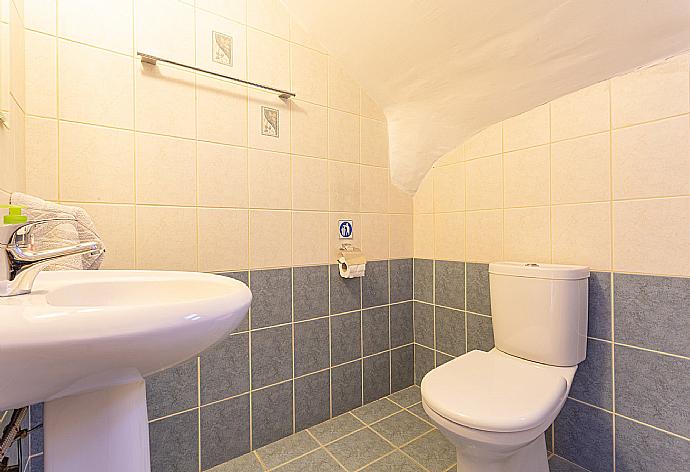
[{"x": 392, "y": 434}]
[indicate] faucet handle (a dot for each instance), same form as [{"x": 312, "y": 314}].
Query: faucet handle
[{"x": 12, "y": 233}]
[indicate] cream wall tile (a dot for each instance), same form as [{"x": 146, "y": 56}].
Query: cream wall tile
[
  {"x": 42, "y": 158},
  {"x": 586, "y": 111},
  {"x": 452, "y": 157},
  {"x": 269, "y": 180},
  {"x": 374, "y": 193},
  {"x": 116, "y": 227},
  {"x": 223, "y": 239},
  {"x": 484, "y": 235},
  {"x": 401, "y": 237},
  {"x": 309, "y": 238},
  {"x": 369, "y": 108},
  {"x": 484, "y": 183},
  {"x": 17, "y": 59},
  {"x": 526, "y": 130},
  {"x": 343, "y": 186},
  {"x": 651, "y": 93},
  {"x": 162, "y": 165},
  {"x": 40, "y": 15},
  {"x": 652, "y": 236},
  {"x": 223, "y": 175},
  {"x": 424, "y": 198},
  {"x": 95, "y": 86},
  {"x": 487, "y": 142},
  {"x": 18, "y": 171},
  {"x": 263, "y": 134},
  {"x": 526, "y": 177},
  {"x": 527, "y": 234},
  {"x": 4, "y": 71},
  {"x": 309, "y": 129},
  {"x": 398, "y": 200},
  {"x": 374, "y": 143},
  {"x": 160, "y": 243},
  {"x": 449, "y": 188},
  {"x": 269, "y": 16},
  {"x": 299, "y": 36},
  {"x": 7, "y": 152},
  {"x": 270, "y": 239},
  {"x": 309, "y": 74},
  {"x": 233, "y": 9},
  {"x": 107, "y": 24},
  {"x": 221, "y": 111},
  {"x": 334, "y": 241},
  {"x": 165, "y": 100},
  {"x": 375, "y": 243},
  {"x": 268, "y": 60},
  {"x": 343, "y": 136},
  {"x": 170, "y": 39},
  {"x": 449, "y": 233},
  {"x": 652, "y": 160},
  {"x": 207, "y": 25},
  {"x": 582, "y": 235},
  {"x": 309, "y": 184},
  {"x": 41, "y": 74},
  {"x": 581, "y": 169},
  {"x": 343, "y": 92},
  {"x": 96, "y": 164},
  {"x": 423, "y": 233}
]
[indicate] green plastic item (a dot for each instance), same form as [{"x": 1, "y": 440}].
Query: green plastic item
[{"x": 14, "y": 216}]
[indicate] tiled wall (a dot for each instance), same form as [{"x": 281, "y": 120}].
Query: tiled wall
[{"x": 600, "y": 177}]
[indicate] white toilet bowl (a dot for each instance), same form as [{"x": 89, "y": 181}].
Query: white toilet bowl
[{"x": 495, "y": 407}]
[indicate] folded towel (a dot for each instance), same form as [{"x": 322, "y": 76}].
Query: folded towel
[{"x": 61, "y": 234}]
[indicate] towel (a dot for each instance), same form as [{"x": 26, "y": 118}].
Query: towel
[{"x": 61, "y": 234}]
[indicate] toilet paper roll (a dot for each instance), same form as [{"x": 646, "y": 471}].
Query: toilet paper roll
[
  {"x": 351, "y": 262},
  {"x": 350, "y": 271}
]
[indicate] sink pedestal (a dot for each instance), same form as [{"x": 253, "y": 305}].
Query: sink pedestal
[{"x": 105, "y": 431}]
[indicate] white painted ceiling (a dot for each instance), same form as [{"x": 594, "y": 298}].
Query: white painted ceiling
[{"x": 445, "y": 69}]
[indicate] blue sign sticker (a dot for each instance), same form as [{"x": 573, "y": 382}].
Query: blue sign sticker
[{"x": 345, "y": 229}]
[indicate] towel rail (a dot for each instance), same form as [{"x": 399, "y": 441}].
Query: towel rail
[{"x": 149, "y": 59}]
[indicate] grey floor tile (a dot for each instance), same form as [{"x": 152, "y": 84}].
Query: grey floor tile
[
  {"x": 174, "y": 443},
  {"x": 584, "y": 435},
  {"x": 346, "y": 336},
  {"x": 245, "y": 463},
  {"x": 272, "y": 297},
  {"x": 375, "y": 330},
  {"x": 418, "y": 410},
  {"x": 593, "y": 382},
  {"x": 376, "y": 376},
  {"x": 225, "y": 368},
  {"x": 450, "y": 331},
  {"x": 317, "y": 461},
  {"x": 395, "y": 462},
  {"x": 375, "y": 411},
  {"x": 599, "y": 311},
  {"x": 224, "y": 431},
  {"x": 402, "y": 329},
  {"x": 172, "y": 390},
  {"x": 643, "y": 449},
  {"x": 286, "y": 449},
  {"x": 558, "y": 464},
  {"x": 359, "y": 449},
  {"x": 310, "y": 290},
  {"x": 423, "y": 285},
  {"x": 375, "y": 284},
  {"x": 271, "y": 355},
  {"x": 271, "y": 414},
  {"x": 312, "y": 399},
  {"x": 401, "y": 428},
  {"x": 478, "y": 290},
  {"x": 402, "y": 367},
  {"x": 336, "y": 428},
  {"x": 346, "y": 387},
  {"x": 424, "y": 324},
  {"x": 401, "y": 280},
  {"x": 407, "y": 397},
  {"x": 432, "y": 451},
  {"x": 449, "y": 282}
]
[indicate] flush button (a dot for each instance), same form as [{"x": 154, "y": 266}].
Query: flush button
[{"x": 532, "y": 265}]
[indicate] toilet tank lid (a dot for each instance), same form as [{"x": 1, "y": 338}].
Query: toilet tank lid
[{"x": 539, "y": 271}]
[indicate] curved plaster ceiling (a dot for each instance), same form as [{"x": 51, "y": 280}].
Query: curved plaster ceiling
[{"x": 445, "y": 69}]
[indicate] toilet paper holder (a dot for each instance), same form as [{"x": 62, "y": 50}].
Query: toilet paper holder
[{"x": 351, "y": 261}]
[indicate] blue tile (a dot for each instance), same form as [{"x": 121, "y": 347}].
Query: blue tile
[
  {"x": 449, "y": 281},
  {"x": 376, "y": 373},
  {"x": 375, "y": 330},
  {"x": 401, "y": 280},
  {"x": 346, "y": 294},
  {"x": 310, "y": 292},
  {"x": 36, "y": 421},
  {"x": 593, "y": 379},
  {"x": 375, "y": 284},
  {"x": 271, "y": 355},
  {"x": 584, "y": 435},
  {"x": 480, "y": 332},
  {"x": 478, "y": 290},
  {"x": 312, "y": 399},
  {"x": 311, "y": 346},
  {"x": 423, "y": 362},
  {"x": 653, "y": 388},
  {"x": 402, "y": 324},
  {"x": 652, "y": 312},
  {"x": 224, "y": 431},
  {"x": 225, "y": 368},
  {"x": 346, "y": 338},
  {"x": 272, "y": 297},
  {"x": 36, "y": 464},
  {"x": 424, "y": 324},
  {"x": 346, "y": 387},
  {"x": 402, "y": 368},
  {"x": 450, "y": 331},
  {"x": 271, "y": 414},
  {"x": 174, "y": 442},
  {"x": 423, "y": 285},
  {"x": 172, "y": 390},
  {"x": 643, "y": 449},
  {"x": 599, "y": 305}
]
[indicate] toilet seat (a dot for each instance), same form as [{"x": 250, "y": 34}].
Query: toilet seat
[{"x": 493, "y": 391}]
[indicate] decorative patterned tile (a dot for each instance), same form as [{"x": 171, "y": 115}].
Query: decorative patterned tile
[
  {"x": 271, "y": 414},
  {"x": 376, "y": 376},
  {"x": 599, "y": 318},
  {"x": 643, "y": 449},
  {"x": 375, "y": 411},
  {"x": 480, "y": 333},
  {"x": 224, "y": 431},
  {"x": 172, "y": 390},
  {"x": 375, "y": 284},
  {"x": 336, "y": 428},
  {"x": 346, "y": 387},
  {"x": 312, "y": 399},
  {"x": 346, "y": 335},
  {"x": 450, "y": 331},
  {"x": 174, "y": 443},
  {"x": 584, "y": 435},
  {"x": 423, "y": 285},
  {"x": 288, "y": 448},
  {"x": 346, "y": 294},
  {"x": 245, "y": 463},
  {"x": 424, "y": 324},
  {"x": 402, "y": 328},
  {"x": 271, "y": 355},
  {"x": 318, "y": 460},
  {"x": 402, "y": 367},
  {"x": 395, "y": 462},
  {"x": 359, "y": 449},
  {"x": 433, "y": 451},
  {"x": 593, "y": 381},
  {"x": 310, "y": 290},
  {"x": 311, "y": 346},
  {"x": 272, "y": 297},
  {"x": 449, "y": 281},
  {"x": 225, "y": 368},
  {"x": 375, "y": 330},
  {"x": 407, "y": 397},
  {"x": 478, "y": 292},
  {"x": 401, "y": 428},
  {"x": 401, "y": 280}
]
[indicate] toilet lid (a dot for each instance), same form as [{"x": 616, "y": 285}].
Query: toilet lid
[{"x": 491, "y": 391}]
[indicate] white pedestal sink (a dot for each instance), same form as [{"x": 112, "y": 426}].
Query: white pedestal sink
[{"x": 82, "y": 342}]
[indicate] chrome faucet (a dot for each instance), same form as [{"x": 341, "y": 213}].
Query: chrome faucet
[{"x": 20, "y": 263}]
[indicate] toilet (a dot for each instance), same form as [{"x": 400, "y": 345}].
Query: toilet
[{"x": 495, "y": 406}]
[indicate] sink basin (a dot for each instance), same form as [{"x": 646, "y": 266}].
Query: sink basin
[{"x": 82, "y": 342}]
